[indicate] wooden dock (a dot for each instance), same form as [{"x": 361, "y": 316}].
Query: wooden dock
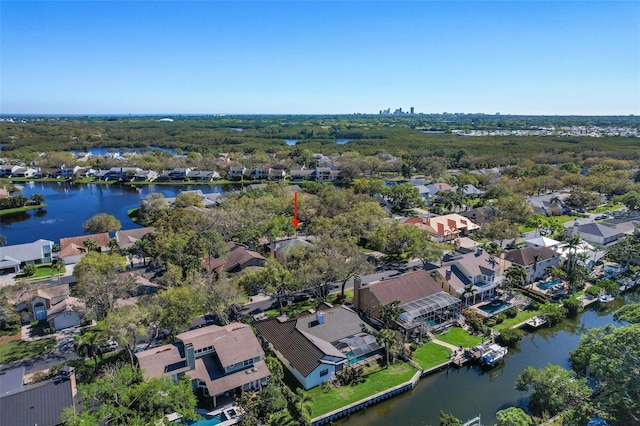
[{"x": 535, "y": 322}]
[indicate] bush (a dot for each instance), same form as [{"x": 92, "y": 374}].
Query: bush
[
  {"x": 500, "y": 318},
  {"x": 593, "y": 291},
  {"x": 573, "y": 307},
  {"x": 511, "y": 313},
  {"x": 490, "y": 322},
  {"x": 533, "y": 306},
  {"x": 510, "y": 337},
  {"x": 29, "y": 270}
]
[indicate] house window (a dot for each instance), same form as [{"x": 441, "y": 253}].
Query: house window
[
  {"x": 324, "y": 372},
  {"x": 247, "y": 362}
]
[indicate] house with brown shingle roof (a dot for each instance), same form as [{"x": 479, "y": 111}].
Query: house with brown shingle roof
[
  {"x": 128, "y": 238},
  {"x": 317, "y": 345},
  {"x": 219, "y": 360},
  {"x": 534, "y": 260},
  {"x": 52, "y": 303},
  {"x": 72, "y": 249},
  {"x": 423, "y": 300},
  {"x": 238, "y": 258}
]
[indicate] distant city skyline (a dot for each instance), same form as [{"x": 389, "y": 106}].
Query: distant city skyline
[{"x": 320, "y": 57}]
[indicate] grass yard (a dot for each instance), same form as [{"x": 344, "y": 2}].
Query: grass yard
[
  {"x": 606, "y": 208},
  {"x": 430, "y": 355},
  {"x": 20, "y": 349},
  {"x": 456, "y": 336},
  {"x": 42, "y": 271},
  {"x": 22, "y": 209},
  {"x": 377, "y": 381},
  {"x": 510, "y": 322}
]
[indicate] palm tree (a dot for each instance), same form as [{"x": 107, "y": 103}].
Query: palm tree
[
  {"x": 303, "y": 404},
  {"x": 58, "y": 266},
  {"x": 468, "y": 291},
  {"x": 390, "y": 312},
  {"x": 114, "y": 247},
  {"x": 142, "y": 246},
  {"x": 3, "y": 240},
  {"x": 387, "y": 338},
  {"x": 516, "y": 276},
  {"x": 91, "y": 245},
  {"x": 536, "y": 260},
  {"x": 87, "y": 345}
]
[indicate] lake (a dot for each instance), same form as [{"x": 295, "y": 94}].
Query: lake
[
  {"x": 70, "y": 205},
  {"x": 471, "y": 391}
]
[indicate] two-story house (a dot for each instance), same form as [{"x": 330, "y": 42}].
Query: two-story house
[
  {"x": 220, "y": 361},
  {"x": 534, "y": 260},
  {"x": 14, "y": 258},
  {"x": 472, "y": 276}
]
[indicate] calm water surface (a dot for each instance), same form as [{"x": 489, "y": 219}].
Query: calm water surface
[
  {"x": 468, "y": 392},
  {"x": 70, "y": 205}
]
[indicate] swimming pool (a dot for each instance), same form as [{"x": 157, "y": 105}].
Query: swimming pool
[
  {"x": 494, "y": 306},
  {"x": 610, "y": 269},
  {"x": 549, "y": 284},
  {"x": 210, "y": 420}
]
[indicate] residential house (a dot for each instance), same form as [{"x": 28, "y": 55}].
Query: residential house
[
  {"x": 300, "y": 175},
  {"x": 423, "y": 300},
  {"x": 14, "y": 258},
  {"x": 470, "y": 191},
  {"x": 203, "y": 175},
  {"x": 130, "y": 237},
  {"x": 179, "y": 173},
  {"x": 52, "y": 303},
  {"x": 444, "y": 228},
  {"x": 280, "y": 249},
  {"x": 542, "y": 241},
  {"x": 7, "y": 170},
  {"x": 220, "y": 361},
  {"x": 317, "y": 345},
  {"x": 551, "y": 204},
  {"x": 260, "y": 173},
  {"x": 38, "y": 404},
  {"x": 277, "y": 174},
  {"x": 24, "y": 172},
  {"x": 237, "y": 173},
  {"x": 534, "y": 260},
  {"x": 480, "y": 215},
  {"x": 146, "y": 175},
  {"x": 597, "y": 233},
  {"x": 211, "y": 199},
  {"x": 238, "y": 259},
  {"x": 73, "y": 248},
  {"x": 470, "y": 275},
  {"x": 119, "y": 173}
]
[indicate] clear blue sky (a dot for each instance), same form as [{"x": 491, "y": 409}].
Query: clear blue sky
[{"x": 148, "y": 57}]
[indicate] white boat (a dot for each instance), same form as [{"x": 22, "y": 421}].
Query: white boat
[
  {"x": 492, "y": 354},
  {"x": 606, "y": 298}
]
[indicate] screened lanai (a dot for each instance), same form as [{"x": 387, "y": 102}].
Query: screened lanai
[{"x": 431, "y": 311}]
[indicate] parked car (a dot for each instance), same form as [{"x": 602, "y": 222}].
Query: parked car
[
  {"x": 300, "y": 298},
  {"x": 111, "y": 345},
  {"x": 276, "y": 304}
]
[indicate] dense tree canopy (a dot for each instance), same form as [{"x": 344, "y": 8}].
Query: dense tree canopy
[{"x": 101, "y": 222}]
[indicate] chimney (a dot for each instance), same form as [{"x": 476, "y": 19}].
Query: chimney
[
  {"x": 447, "y": 274},
  {"x": 357, "y": 283},
  {"x": 70, "y": 374},
  {"x": 190, "y": 355},
  {"x": 320, "y": 317}
]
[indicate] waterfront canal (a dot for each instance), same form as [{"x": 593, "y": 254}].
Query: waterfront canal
[
  {"x": 470, "y": 391},
  {"x": 70, "y": 205}
]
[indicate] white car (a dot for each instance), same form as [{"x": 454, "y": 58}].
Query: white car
[{"x": 111, "y": 345}]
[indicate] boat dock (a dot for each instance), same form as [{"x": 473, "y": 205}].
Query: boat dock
[{"x": 535, "y": 322}]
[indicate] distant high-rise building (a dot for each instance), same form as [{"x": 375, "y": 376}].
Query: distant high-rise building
[{"x": 412, "y": 111}]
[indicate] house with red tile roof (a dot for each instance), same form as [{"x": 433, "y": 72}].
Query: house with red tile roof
[{"x": 72, "y": 249}]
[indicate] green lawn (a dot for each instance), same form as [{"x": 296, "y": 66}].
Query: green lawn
[
  {"x": 378, "y": 381},
  {"x": 20, "y": 349},
  {"x": 456, "y": 336},
  {"x": 22, "y": 209},
  {"x": 606, "y": 208},
  {"x": 430, "y": 355},
  {"x": 42, "y": 271},
  {"x": 510, "y": 322}
]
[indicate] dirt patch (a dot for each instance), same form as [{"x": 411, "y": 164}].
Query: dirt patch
[{"x": 6, "y": 339}]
